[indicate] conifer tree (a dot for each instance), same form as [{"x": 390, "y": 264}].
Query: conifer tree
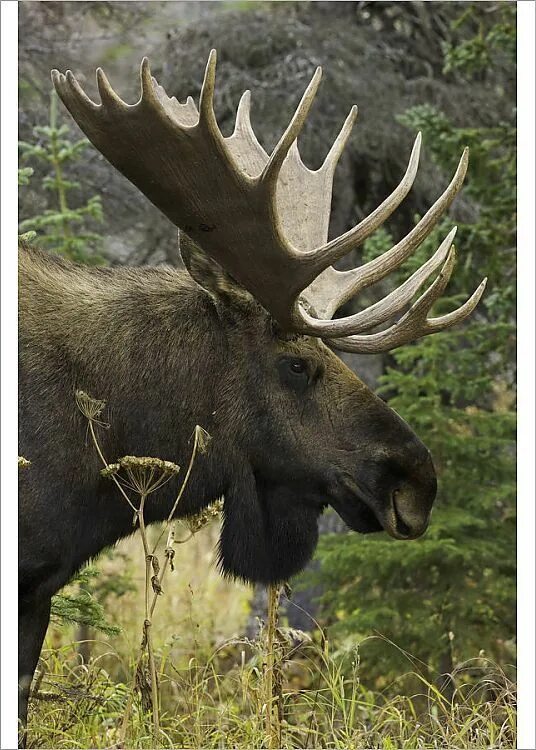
[
  {"x": 64, "y": 227},
  {"x": 451, "y": 595}
]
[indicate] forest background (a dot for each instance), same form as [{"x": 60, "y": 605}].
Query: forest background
[{"x": 448, "y": 69}]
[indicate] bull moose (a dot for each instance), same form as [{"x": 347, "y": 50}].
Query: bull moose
[{"x": 240, "y": 343}]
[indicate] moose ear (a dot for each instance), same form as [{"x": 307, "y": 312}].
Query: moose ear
[{"x": 210, "y": 275}]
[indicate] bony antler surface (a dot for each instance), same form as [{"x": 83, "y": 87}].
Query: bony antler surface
[{"x": 264, "y": 218}]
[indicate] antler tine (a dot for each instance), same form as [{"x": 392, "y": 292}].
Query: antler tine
[
  {"x": 108, "y": 96},
  {"x": 414, "y": 324},
  {"x": 206, "y": 97},
  {"x": 334, "y": 154},
  {"x": 325, "y": 256},
  {"x": 376, "y": 269},
  {"x": 71, "y": 92},
  {"x": 460, "y": 314},
  {"x": 243, "y": 130},
  {"x": 243, "y": 121},
  {"x": 147, "y": 81},
  {"x": 381, "y": 311},
  {"x": 271, "y": 171}
]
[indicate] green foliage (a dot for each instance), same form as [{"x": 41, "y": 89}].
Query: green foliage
[
  {"x": 24, "y": 175},
  {"x": 64, "y": 227},
  {"x": 489, "y": 47},
  {"x": 78, "y": 606},
  {"x": 488, "y": 240},
  {"x": 84, "y": 600},
  {"x": 450, "y": 594}
]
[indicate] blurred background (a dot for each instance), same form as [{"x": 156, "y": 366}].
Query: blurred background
[{"x": 442, "y": 606}]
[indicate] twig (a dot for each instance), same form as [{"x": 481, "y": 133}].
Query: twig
[
  {"x": 273, "y": 725},
  {"x": 183, "y": 487},
  {"x": 105, "y": 462}
]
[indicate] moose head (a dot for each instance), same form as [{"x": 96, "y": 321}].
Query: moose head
[{"x": 297, "y": 429}]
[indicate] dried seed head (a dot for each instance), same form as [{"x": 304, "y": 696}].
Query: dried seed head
[
  {"x": 197, "y": 522},
  {"x": 144, "y": 474},
  {"x": 90, "y": 407},
  {"x": 145, "y": 462},
  {"x": 110, "y": 470},
  {"x": 23, "y": 463},
  {"x": 202, "y": 439},
  {"x": 293, "y": 637}
]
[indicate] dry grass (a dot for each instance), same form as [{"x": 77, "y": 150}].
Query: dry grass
[{"x": 214, "y": 683}]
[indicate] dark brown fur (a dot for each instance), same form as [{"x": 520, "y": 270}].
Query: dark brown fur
[{"x": 166, "y": 355}]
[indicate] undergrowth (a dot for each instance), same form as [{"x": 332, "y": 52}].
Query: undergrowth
[{"x": 218, "y": 700}]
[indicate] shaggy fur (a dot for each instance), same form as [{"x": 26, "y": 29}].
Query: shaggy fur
[{"x": 166, "y": 355}]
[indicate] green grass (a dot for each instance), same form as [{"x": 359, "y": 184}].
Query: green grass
[
  {"x": 212, "y": 680},
  {"x": 217, "y": 702}
]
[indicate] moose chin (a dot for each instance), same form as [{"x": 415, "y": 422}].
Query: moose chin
[
  {"x": 241, "y": 343},
  {"x": 270, "y": 531}
]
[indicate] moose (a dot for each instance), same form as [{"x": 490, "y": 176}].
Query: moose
[{"x": 241, "y": 343}]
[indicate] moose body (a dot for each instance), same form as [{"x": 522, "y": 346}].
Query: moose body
[
  {"x": 165, "y": 357},
  {"x": 235, "y": 345}
]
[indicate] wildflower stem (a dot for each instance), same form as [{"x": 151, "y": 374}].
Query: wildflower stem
[
  {"x": 169, "y": 545},
  {"x": 181, "y": 491},
  {"x": 273, "y": 728},
  {"x": 147, "y": 625}
]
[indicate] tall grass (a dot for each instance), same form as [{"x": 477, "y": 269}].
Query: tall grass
[
  {"x": 214, "y": 694},
  {"x": 214, "y": 705}
]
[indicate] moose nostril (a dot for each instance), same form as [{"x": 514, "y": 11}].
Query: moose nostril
[
  {"x": 409, "y": 513},
  {"x": 401, "y": 526}
]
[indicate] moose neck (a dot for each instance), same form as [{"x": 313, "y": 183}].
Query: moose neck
[{"x": 147, "y": 342}]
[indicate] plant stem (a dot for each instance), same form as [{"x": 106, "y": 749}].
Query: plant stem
[
  {"x": 273, "y": 727},
  {"x": 181, "y": 491},
  {"x": 105, "y": 462},
  {"x": 147, "y": 625}
]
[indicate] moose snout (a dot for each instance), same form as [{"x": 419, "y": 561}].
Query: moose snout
[
  {"x": 406, "y": 518},
  {"x": 410, "y": 503}
]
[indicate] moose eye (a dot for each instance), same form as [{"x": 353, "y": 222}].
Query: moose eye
[
  {"x": 298, "y": 366},
  {"x": 294, "y": 373}
]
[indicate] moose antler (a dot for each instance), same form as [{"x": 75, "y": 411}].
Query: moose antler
[{"x": 264, "y": 218}]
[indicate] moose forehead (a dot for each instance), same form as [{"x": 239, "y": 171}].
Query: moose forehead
[{"x": 255, "y": 330}]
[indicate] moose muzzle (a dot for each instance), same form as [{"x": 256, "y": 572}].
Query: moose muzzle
[
  {"x": 404, "y": 493},
  {"x": 394, "y": 494}
]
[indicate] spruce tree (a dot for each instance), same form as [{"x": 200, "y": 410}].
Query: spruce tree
[
  {"x": 450, "y": 596},
  {"x": 64, "y": 227}
]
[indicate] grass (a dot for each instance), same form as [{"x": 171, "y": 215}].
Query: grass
[
  {"x": 219, "y": 703},
  {"x": 213, "y": 681}
]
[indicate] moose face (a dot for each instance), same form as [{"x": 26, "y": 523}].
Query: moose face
[
  {"x": 300, "y": 430},
  {"x": 309, "y": 434}
]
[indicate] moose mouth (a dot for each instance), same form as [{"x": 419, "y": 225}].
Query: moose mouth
[{"x": 366, "y": 514}]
